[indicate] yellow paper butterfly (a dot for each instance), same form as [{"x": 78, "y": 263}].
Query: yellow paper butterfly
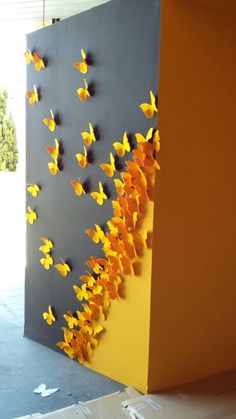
[
  {"x": 70, "y": 319},
  {"x": 109, "y": 168},
  {"x": 141, "y": 139},
  {"x": 82, "y": 66},
  {"x": 120, "y": 187},
  {"x": 38, "y": 62},
  {"x": 54, "y": 151},
  {"x": 48, "y": 316},
  {"x": 78, "y": 187},
  {"x": 47, "y": 261},
  {"x": 149, "y": 108},
  {"x": 83, "y": 92},
  {"x": 50, "y": 122},
  {"x": 53, "y": 168},
  {"x": 99, "y": 196},
  {"x": 121, "y": 148},
  {"x": 28, "y": 56},
  {"x": 82, "y": 159},
  {"x": 88, "y": 137},
  {"x": 63, "y": 268},
  {"x": 34, "y": 190},
  {"x": 32, "y": 96},
  {"x": 48, "y": 245},
  {"x": 81, "y": 293},
  {"x": 89, "y": 279},
  {"x": 96, "y": 235},
  {"x": 156, "y": 141},
  {"x": 31, "y": 216}
]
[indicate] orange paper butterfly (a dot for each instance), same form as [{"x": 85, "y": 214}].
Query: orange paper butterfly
[
  {"x": 78, "y": 187},
  {"x": 82, "y": 159},
  {"x": 32, "y": 96},
  {"x": 82, "y": 66},
  {"x": 83, "y": 92}
]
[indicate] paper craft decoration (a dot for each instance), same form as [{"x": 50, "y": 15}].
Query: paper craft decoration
[
  {"x": 99, "y": 196},
  {"x": 33, "y": 190},
  {"x": 28, "y": 56},
  {"x": 156, "y": 141},
  {"x": 48, "y": 316},
  {"x": 31, "y": 216},
  {"x": 109, "y": 168},
  {"x": 32, "y": 96},
  {"x": 38, "y": 62},
  {"x": 140, "y": 137},
  {"x": 82, "y": 66},
  {"x": 82, "y": 159},
  {"x": 50, "y": 122},
  {"x": 83, "y": 92},
  {"x": 45, "y": 392},
  {"x": 47, "y": 247},
  {"x": 78, "y": 187},
  {"x": 88, "y": 137},
  {"x": 63, "y": 268},
  {"x": 53, "y": 168},
  {"x": 149, "y": 108},
  {"x": 121, "y": 148},
  {"x": 46, "y": 261},
  {"x": 53, "y": 151},
  {"x": 96, "y": 235}
]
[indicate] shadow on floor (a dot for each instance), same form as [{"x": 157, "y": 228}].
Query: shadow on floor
[{"x": 25, "y": 364}]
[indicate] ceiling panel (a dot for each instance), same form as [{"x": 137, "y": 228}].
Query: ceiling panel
[{"x": 11, "y": 10}]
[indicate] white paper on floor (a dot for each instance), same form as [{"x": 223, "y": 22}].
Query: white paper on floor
[{"x": 42, "y": 390}]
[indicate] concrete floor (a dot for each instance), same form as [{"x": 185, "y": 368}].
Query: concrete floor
[{"x": 25, "y": 364}]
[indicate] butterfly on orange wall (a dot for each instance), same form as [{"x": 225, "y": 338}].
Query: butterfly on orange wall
[
  {"x": 156, "y": 141},
  {"x": 109, "y": 168},
  {"x": 48, "y": 245},
  {"x": 46, "y": 261},
  {"x": 83, "y": 92},
  {"x": 122, "y": 147},
  {"x": 31, "y": 216},
  {"x": 49, "y": 316},
  {"x": 78, "y": 187},
  {"x": 50, "y": 122},
  {"x": 38, "y": 62},
  {"x": 99, "y": 196},
  {"x": 88, "y": 137},
  {"x": 63, "y": 268},
  {"x": 33, "y": 190},
  {"x": 82, "y": 159},
  {"x": 32, "y": 96},
  {"x": 149, "y": 108},
  {"x": 82, "y": 66}
]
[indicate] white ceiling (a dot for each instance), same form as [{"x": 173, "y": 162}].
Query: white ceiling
[{"x": 15, "y": 10}]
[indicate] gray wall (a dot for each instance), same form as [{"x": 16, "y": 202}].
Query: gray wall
[{"x": 122, "y": 38}]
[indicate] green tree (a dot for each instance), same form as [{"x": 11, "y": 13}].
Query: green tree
[{"x": 8, "y": 146}]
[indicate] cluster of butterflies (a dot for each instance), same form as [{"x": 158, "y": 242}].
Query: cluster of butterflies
[
  {"x": 122, "y": 245},
  {"x": 123, "y": 242},
  {"x": 47, "y": 261}
]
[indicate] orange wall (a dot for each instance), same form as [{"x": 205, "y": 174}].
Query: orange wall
[{"x": 193, "y": 312}]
